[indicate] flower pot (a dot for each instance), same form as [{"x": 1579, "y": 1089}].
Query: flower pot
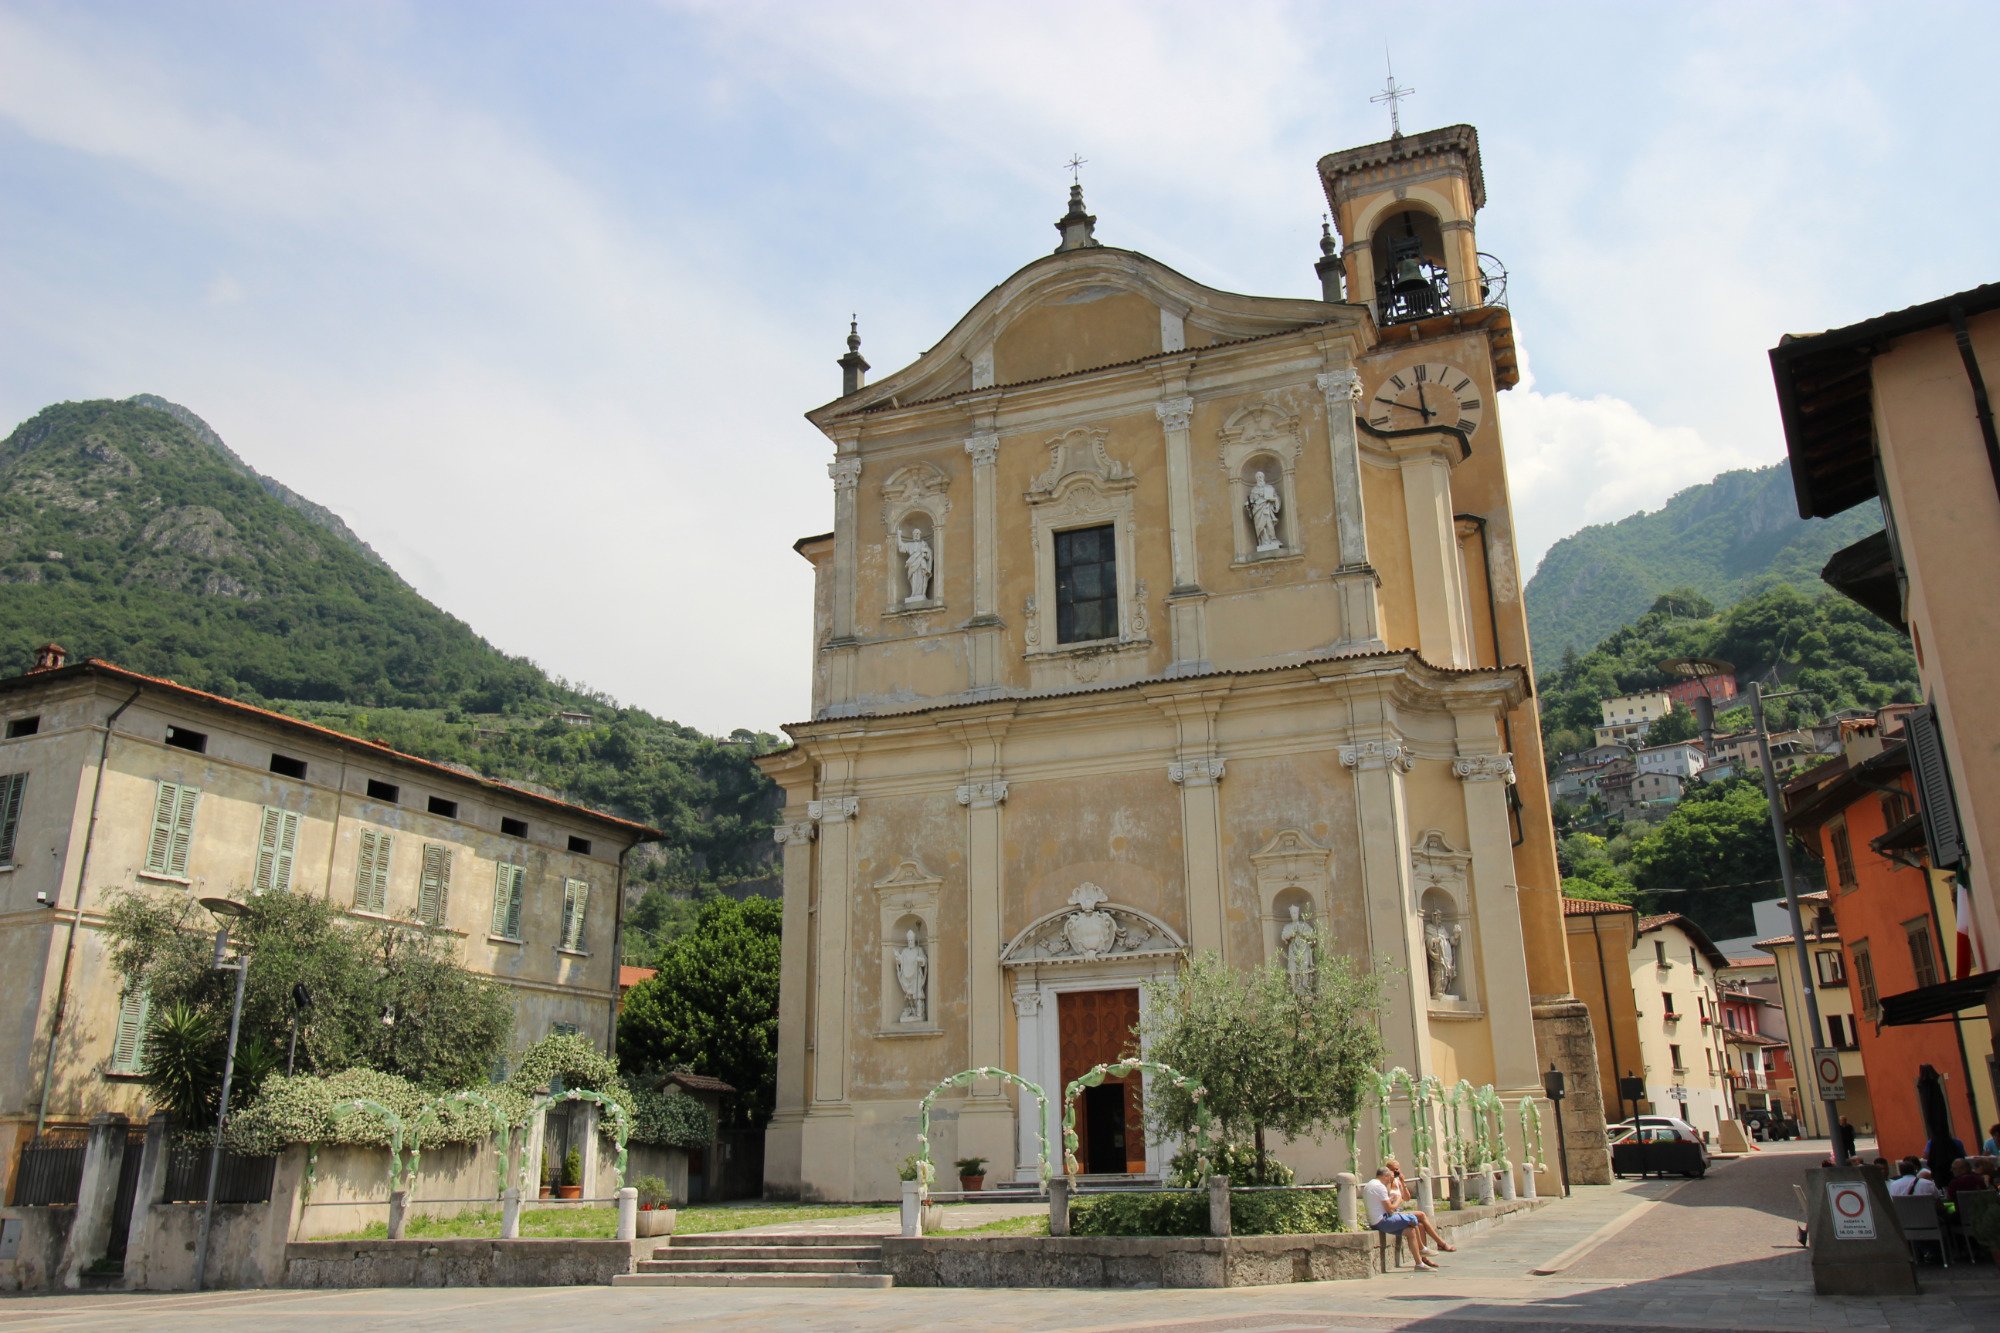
[
  {"x": 548, "y": 1190},
  {"x": 569, "y": 1191},
  {"x": 656, "y": 1221},
  {"x": 972, "y": 1184}
]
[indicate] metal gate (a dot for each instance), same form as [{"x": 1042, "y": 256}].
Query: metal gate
[
  {"x": 128, "y": 1192},
  {"x": 51, "y": 1169}
]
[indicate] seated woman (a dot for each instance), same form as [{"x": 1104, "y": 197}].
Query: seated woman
[
  {"x": 1383, "y": 1216},
  {"x": 1406, "y": 1200}
]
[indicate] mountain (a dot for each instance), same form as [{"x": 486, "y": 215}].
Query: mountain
[
  {"x": 1723, "y": 539},
  {"x": 129, "y": 531}
]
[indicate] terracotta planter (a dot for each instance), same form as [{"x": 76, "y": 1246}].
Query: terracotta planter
[
  {"x": 569, "y": 1191},
  {"x": 972, "y": 1184},
  {"x": 548, "y": 1190}
]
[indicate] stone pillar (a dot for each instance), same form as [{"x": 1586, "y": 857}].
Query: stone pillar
[
  {"x": 532, "y": 1145},
  {"x": 986, "y": 642},
  {"x": 835, "y": 817},
  {"x": 152, "y": 1184},
  {"x": 1360, "y": 611},
  {"x": 628, "y": 1213},
  {"x": 1348, "y": 1201},
  {"x": 1186, "y": 606},
  {"x": 1495, "y": 911},
  {"x": 96, "y": 1197},
  {"x": 1426, "y": 1194},
  {"x": 1028, "y": 1061},
  {"x": 846, "y": 473},
  {"x": 987, "y": 1124},
  {"x": 587, "y": 1146},
  {"x": 782, "y": 1148},
  {"x": 510, "y": 1213},
  {"x": 913, "y": 1219},
  {"x": 1218, "y": 1205},
  {"x": 1059, "y": 1206},
  {"x": 1394, "y": 930},
  {"x": 1564, "y": 1038},
  {"x": 399, "y": 1211},
  {"x": 1527, "y": 1179},
  {"x": 1198, "y": 773},
  {"x": 1435, "y": 572}
]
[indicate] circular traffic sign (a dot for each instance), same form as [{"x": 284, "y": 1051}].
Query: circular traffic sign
[
  {"x": 1849, "y": 1202},
  {"x": 1829, "y": 1068}
]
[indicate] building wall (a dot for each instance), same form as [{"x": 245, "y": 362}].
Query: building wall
[
  {"x": 1600, "y": 949},
  {"x": 548, "y": 985},
  {"x": 1690, "y": 979},
  {"x": 1834, "y": 1002}
]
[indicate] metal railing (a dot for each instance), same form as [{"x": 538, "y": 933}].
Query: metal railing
[
  {"x": 1421, "y": 295},
  {"x": 50, "y": 1170},
  {"x": 239, "y": 1179}
]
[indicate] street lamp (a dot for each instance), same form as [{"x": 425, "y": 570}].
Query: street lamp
[{"x": 226, "y": 911}]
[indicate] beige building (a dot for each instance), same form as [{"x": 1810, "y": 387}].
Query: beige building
[
  {"x": 1681, "y": 1044},
  {"x": 1155, "y": 619},
  {"x": 1626, "y": 717},
  {"x": 1899, "y": 408},
  {"x": 1836, "y": 1013},
  {"x": 113, "y": 781}
]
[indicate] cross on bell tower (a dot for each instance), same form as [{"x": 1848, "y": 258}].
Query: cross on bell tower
[{"x": 1391, "y": 94}]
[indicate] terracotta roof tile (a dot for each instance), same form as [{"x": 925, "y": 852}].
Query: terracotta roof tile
[
  {"x": 629, "y": 976},
  {"x": 1592, "y": 907},
  {"x": 698, "y": 1082}
]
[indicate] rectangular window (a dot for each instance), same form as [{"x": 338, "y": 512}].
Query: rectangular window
[
  {"x": 277, "y": 842},
  {"x": 383, "y": 791},
  {"x": 507, "y": 884},
  {"x": 1864, "y": 981},
  {"x": 514, "y": 828},
  {"x": 128, "y": 1039},
  {"x": 1086, "y": 584},
  {"x": 581, "y": 846},
  {"x": 1709, "y": 1056},
  {"x": 1674, "y": 1053},
  {"x": 576, "y": 897},
  {"x": 563, "y": 1029},
  {"x": 1667, "y": 1005},
  {"x": 287, "y": 767},
  {"x": 1923, "y": 958},
  {"x": 371, "y": 872},
  {"x": 438, "y": 805},
  {"x": 23, "y": 726},
  {"x": 1843, "y": 854},
  {"x": 183, "y": 739},
  {"x": 1660, "y": 953},
  {"x": 12, "y": 787},
  {"x": 173, "y": 830},
  {"x": 1831, "y": 971},
  {"x": 434, "y": 885},
  {"x": 1838, "y": 1033},
  {"x": 1895, "y": 808}
]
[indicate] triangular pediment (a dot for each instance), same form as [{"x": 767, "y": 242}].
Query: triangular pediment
[{"x": 1080, "y": 310}]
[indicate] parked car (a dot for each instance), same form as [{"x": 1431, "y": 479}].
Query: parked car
[
  {"x": 1767, "y": 1124},
  {"x": 1658, "y": 1145},
  {"x": 1671, "y": 1122}
]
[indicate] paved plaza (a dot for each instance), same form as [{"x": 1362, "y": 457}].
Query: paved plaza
[{"x": 1716, "y": 1253}]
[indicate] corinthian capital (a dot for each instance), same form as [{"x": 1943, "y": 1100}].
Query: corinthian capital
[
  {"x": 1341, "y": 384},
  {"x": 1175, "y": 413},
  {"x": 845, "y": 473},
  {"x": 983, "y": 448},
  {"x": 1484, "y": 767}
]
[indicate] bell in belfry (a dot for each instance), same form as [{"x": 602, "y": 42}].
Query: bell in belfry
[{"x": 1413, "y": 288}]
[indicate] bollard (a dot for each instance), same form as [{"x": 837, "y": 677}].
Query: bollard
[
  {"x": 1479, "y": 1187},
  {"x": 628, "y": 1213},
  {"x": 1507, "y": 1184},
  {"x": 1426, "y": 1196},
  {"x": 1456, "y": 1191},
  {"x": 510, "y": 1214},
  {"x": 1218, "y": 1205},
  {"x": 1528, "y": 1180},
  {"x": 913, "y": 1222},
  {"x": 1348, "y": 1199},
  {"x": 1059, "y": 1206},
  {"x": 399, "y": 1205}
]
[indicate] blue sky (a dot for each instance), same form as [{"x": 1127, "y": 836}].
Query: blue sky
[{"x": 534, "y": 294}]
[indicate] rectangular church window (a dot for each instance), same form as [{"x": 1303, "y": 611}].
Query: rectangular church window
[{"x": 1086, "y": 585}]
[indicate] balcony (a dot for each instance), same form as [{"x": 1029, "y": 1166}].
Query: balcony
[{"x": 1417, "y": 290}]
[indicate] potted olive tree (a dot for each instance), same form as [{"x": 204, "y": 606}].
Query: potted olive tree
[
  {"x": 572, "y": 1176},
  {"x": 656, "y": 1218},
  {"x": 972, "y": 1174}
]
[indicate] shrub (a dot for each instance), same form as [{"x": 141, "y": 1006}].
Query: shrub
[
  {"x": 907, "y": 1168},
  {"x": 653, "y": 1191},
  {"x": 572, "y": 1171},
  {"x": 972, "y": 1166},
  {"x": 300, "y": 1110},
  {"x": 1185, "y": 1213},
  {"x": 671, "y": 1119}
]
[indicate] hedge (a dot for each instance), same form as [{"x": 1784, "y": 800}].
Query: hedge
[{"x": 1185, "y": 1213}]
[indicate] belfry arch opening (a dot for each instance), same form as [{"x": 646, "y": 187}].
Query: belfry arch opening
[{"x": 1412, "y": 278}]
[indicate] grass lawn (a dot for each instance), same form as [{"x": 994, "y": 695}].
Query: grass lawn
[
  {"x": 1036, "y": 1224},
  {"x": 602, "y": 1223}
]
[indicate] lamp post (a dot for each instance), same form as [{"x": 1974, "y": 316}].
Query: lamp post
[{"x": 226, "y": 911}]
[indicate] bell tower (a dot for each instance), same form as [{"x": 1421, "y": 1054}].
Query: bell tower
[{"x": 1404, "y": 209}]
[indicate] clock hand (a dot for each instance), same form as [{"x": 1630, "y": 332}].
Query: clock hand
[{"x": 1423, "y": 405}]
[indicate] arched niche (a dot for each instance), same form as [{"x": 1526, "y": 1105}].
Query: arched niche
[
  {"x": 1440, "y": 881},
  {"x": 914, "y": 508},
  {"x": 1261, "y": 439},
  {"x": 907, "y": 905}
]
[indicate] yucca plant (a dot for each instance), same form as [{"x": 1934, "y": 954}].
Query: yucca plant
[{"x": 183, "y": 1065}]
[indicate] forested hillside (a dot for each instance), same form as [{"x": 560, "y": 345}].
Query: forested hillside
[
  {"x": 128, "y": 531},
  {"x": 1727, "y": 538}
]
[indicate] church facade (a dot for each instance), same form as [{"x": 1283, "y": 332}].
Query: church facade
[{"x": 1157, "y": 620}]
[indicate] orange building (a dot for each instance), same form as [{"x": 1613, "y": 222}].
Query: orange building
[{"x": 1858, "y": 813}]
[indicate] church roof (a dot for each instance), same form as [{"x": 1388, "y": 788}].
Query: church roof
[{"x": 1592, "y": 907}]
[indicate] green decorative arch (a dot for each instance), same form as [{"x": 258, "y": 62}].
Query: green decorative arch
[
  {"x": 1490, "y": 1123},
  {"x": 1434, "y": 1096},
  {"x": 1460, "y": 1151},
  {"x": 1531, "y": 1134},
  {"x": 1094, "y": 1077},
  {"x": 398, "y": 1173},
  {"x": 926, "y": 1172}
]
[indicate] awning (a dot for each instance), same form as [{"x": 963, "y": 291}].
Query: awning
[
  {"x": 1866, "y": 572},
  {"x": 1928, "y": 1002}
]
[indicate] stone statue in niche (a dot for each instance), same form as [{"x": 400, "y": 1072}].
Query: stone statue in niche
[
  {"x": 916, "y": 564},
  {"x": 1263, "y": 506},
  {"x": 913, "y": 970},
  {"x": 1441, "y": 942},
  {"x": 1299, "y": 942}
]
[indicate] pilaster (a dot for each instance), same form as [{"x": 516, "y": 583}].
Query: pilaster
[
  {"x": 795, "y": 837},
  {"x": 1186, "y": 604},
  {"x": 834, "y": 817},
  {"x": 1198, "y": 771},
  {"x": 1394, "y": 927},
  {"x": 983, "y": 448},
  {"x": 1360, "y": 609},
  {"x": 1434, "y": 565},
  {"x": 987, "y": 1124},
  {"x": 1503, "y": 969}
]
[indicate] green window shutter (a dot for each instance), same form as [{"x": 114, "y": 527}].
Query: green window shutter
[
  {"x": 11, "y": 788},
  {"x": 507, "y": 900},
  {"x": 514, "y": 902},
  {"x": 159, "y": 848},
  {"x": 182, "y": 835},
  {"x": 128, "y": 1043},
  {"x": 576, "y": 898},
  {"x": 371, "y": 872},
  {"x": 434, "y": 888},
  {"x": 269, "y": 833},
  {"x": 385, "y": 846},
  {"x": 288, "y": 847}
]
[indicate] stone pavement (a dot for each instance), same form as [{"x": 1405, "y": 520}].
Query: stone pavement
[{"x": 1717, "y": 1253}]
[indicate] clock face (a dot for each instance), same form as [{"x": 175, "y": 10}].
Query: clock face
[{"x": 1429, "y": 393}]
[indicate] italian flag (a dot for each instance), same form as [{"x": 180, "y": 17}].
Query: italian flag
[{"x": 1971, "y": 958}]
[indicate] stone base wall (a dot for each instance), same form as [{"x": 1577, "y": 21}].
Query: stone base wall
[
  {"x": 1152, "y": 1261},
  {"x": 1564, "y": 1038},
  {"x": 39, "y": 1236},
  {"x": 549, "y": 1262}
]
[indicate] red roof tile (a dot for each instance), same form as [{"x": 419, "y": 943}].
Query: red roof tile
[
  {"x": 629, "y": 976},
  {"x": 1592, "y": 907}
]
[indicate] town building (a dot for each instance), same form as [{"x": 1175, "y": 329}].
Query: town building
[
  {"x": 1685, "y": 1062},
  {"x": 1600, "y": 938},
  {"x": 1158, "y": 620},
  {"x": 114, "y": 782},
  {"x": 1756, "y": 1032},
  {"x": 1899, "y": 409},
  {"x": 1718, "y": 689},
  {"x": 1826, "y": 966},
  {"x": 1858, "y": 813},
  {"x": 1679, "y": 759},
  {"x": 1627, "y": 716}
]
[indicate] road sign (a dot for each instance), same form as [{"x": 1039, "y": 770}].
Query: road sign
[
  {"x": 1853, "y": 1217},
  {"x": 1826, "y": 1071}
]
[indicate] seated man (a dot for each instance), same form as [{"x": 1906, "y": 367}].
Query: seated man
[
  {"x": 1911, "y": 1183},
  {"x": 1403, "y": 1199},
  {"x": 1963, "y": 1177},
  {"x": 1380, "y": 1196}
]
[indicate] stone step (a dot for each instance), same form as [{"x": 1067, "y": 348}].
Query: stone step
[
  {"x": 787, "y": 1238},
  {"x": 690, "y": 1263},
  {"x": 866, "y": 1281},
  {"x": 709, "y": 1253}
]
